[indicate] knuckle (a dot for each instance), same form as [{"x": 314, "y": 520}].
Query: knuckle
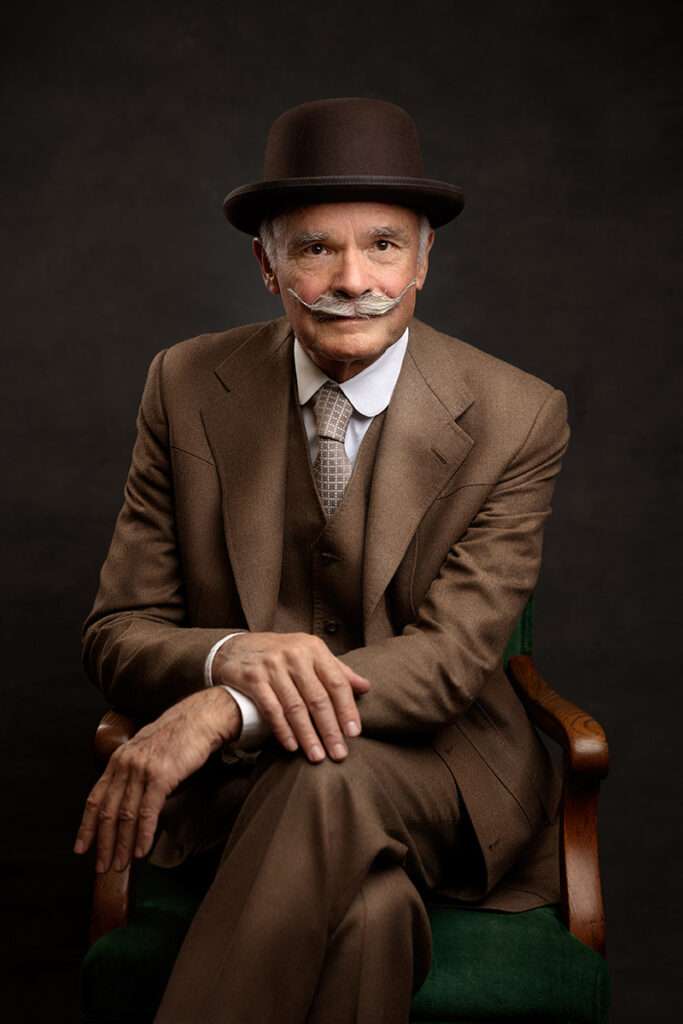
[
  {"x": 127, "y": 761},
  {"x": 319, "y": 704},
  {"x": 293, "y": 708},
  {"x": 303, "y": 643},
  {"x": 126, "y": 814},
  {"x": 153, "y": 773},
  {"x": 106, "y": 815},
  {"x": 252, "y": 675},
  {"x": 337, "y": 684},
  {"x": 136, "y": 756}
]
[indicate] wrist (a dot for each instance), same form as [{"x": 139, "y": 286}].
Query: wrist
[
  {"x": 224, "y": 654},
  {"x": 225, "y": 719}
]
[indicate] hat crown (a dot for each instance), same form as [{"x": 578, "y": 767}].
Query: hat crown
[
  {"x": 347, "y": 149},
  {"x": 343, "y": 136}
]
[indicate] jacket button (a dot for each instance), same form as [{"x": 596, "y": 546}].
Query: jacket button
[
  {"x": 326, "y": 557},
  {"x": 331, "y": 626}
]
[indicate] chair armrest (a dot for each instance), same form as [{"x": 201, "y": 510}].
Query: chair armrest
[
  {"x": 586, "y": 759},
  {"x": 113, "y": 731},
  {"x": 580, "y": 736}
]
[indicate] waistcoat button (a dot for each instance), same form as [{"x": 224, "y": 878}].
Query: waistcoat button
[{"x": 331, "y": 626}]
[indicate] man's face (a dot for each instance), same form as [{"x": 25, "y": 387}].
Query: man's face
[{"x": 345, "y": 251}]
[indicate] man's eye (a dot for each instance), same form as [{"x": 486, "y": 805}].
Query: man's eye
[
  {"x": 316, "y": 248},
  {"x": 383, "y": 244}
]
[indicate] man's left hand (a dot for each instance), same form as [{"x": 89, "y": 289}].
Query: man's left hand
[{"x": 123, "y": 807}]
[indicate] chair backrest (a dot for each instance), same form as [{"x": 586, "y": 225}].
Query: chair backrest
[{"x": 521, "y": 641}]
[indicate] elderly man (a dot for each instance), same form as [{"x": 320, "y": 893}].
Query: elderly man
[{"x": 332, "y": 522}]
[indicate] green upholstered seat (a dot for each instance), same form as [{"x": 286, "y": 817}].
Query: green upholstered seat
[
  {"x": 487, "y": 966},
  {"x": 510, "y": 966}
]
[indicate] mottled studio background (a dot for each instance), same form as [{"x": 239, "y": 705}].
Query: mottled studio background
[{"x": 123, "y": 127}]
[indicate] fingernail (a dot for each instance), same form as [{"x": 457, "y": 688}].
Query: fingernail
[
  {"x": 352, "y": 729},
  {"x": 79, "y": 846},
  {"x": 99, "y": 867},
  {"x": 339, "y": 750},
  {"x": 317, "y": 753},
  {"x": 118, "y": 864},
  {"x": 291, "y": 744}
]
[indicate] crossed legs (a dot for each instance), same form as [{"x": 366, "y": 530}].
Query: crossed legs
[{"x": 315, "y": 914}]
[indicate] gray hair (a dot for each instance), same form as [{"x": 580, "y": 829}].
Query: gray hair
[{"x": 270, "y": 234}]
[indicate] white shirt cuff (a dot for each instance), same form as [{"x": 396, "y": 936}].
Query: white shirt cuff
[{"x": 255, "y": 729}]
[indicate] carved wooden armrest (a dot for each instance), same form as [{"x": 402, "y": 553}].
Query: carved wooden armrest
[
  {"x": 112, "y": 732},
  {"x": 586, "y": 760},
  {"x": 581, "y": 737}
]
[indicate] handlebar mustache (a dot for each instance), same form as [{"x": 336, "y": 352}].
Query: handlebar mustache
[{"x": 365, "y": 306}]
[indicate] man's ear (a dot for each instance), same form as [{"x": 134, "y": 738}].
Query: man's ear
[
  {"x": 423, "y": 265},
  {"x": 267, "y": 272}
]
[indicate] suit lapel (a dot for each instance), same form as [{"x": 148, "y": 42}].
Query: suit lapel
[
  {"x": 421, "y": 447},
  {"x": 247, "y": 430}
]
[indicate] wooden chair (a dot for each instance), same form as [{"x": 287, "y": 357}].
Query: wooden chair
[{"x": 546, "y": 964}]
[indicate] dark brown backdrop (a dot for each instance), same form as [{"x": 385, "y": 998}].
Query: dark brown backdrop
[{"x": 122, "y": 130}]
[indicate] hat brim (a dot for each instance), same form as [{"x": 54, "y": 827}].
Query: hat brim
[{"x": 247, "y": 206}]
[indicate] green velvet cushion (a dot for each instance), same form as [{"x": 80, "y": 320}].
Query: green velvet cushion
[
  {"x": 496, "y": 965},
  {"x": 485, "y": 965}
]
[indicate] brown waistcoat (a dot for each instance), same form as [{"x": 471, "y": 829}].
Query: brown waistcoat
[{"x": 322, "y": 564}]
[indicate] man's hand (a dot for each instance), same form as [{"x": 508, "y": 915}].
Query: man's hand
[
  {"x": 304, "y": 692},
  {"x": 123, "y": 807}
]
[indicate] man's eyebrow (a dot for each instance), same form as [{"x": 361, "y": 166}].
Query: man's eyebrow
[
  {"x": 385, "y": 231},
  {"x": 303, "y": 238}
]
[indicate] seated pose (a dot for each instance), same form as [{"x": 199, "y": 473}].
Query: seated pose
[{"x": 332, "y": 522}]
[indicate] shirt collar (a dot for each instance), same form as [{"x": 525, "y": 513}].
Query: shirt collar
[{"x": 369, "y": 391}]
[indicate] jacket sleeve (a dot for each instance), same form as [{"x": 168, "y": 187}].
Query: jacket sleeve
[
  {"x": 430, "y": 674},
  {"x": 137, "y": 645}
]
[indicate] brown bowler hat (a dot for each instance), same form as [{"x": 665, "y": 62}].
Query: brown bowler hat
[{"x": 331, "y": 151}]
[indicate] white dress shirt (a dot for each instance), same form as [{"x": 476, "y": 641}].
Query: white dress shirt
[{"x": 369, "y": 392}]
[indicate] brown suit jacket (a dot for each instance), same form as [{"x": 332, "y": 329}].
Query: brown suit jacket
[{"x": 462, "y": 486}]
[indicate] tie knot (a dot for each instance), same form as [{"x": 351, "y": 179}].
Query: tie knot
[{"x": 332, "y": 411}]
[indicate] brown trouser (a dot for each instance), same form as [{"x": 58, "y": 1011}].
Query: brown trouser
[{"x": 315, "y": 915}]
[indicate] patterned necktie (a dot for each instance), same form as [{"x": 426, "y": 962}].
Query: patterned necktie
[{"x": 332, "y": 467}]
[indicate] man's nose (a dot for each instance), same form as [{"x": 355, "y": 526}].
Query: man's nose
[{"x": 351, "y": 278}]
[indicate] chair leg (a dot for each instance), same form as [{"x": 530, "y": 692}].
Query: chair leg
[{"x": 111, "y": 897}]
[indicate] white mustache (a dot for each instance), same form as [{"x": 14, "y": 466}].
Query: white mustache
[{"x": 365, "y": 306}]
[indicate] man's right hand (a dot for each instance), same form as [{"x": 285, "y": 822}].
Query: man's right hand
[{"x": 305, "y": 693}]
